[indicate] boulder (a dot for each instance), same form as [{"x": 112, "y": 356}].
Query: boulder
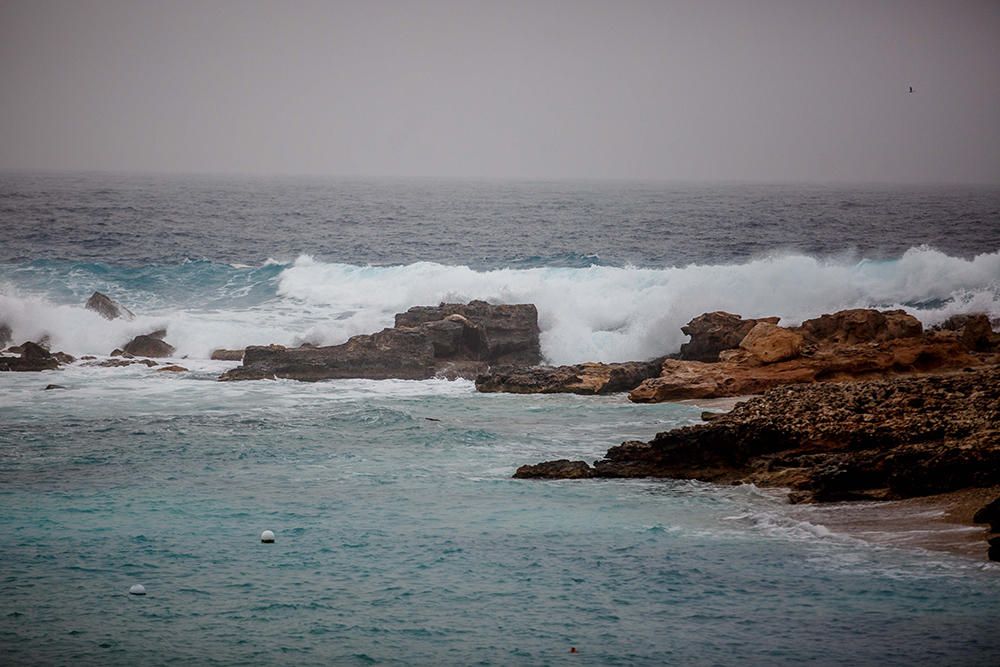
[
  {"x": 107, "y": 307},
  {"x": 591, "y": 378},
  {"x": 711, "y": 333},
  {"x": 172, "y": 368},
  {"x": 861, "y": 325},
  {"x": 770, "y": 343},
  {"x": 404, "y": 353},
  {"x": 222, "y": 354},
  {"x": 561, "y": 469},
  {"x": 149, "y": 346},
  {"x": 500, "y": 334},
  {"x": 33, "y": 357}
]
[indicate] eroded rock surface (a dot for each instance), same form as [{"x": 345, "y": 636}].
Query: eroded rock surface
[
  {"x": 449, "y": 340},
  {"x": 711, "y": 333},
  {"x": 592, "y": 378},
  {"x": 835, "y": 441}
]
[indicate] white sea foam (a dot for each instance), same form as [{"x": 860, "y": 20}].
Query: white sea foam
[{"x": 598, "y": 313}]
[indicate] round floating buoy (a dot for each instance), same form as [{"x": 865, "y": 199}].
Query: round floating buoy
[
  {"x": 267, "y": 537},
  {"x": 137, "y": 589}
]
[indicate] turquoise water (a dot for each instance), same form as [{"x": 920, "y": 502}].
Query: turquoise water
[{"x": 402, "y": 540}]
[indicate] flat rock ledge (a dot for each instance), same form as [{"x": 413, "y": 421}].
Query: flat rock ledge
[
  {"x": 589, "y": 378},
  {"x": 449, "y": 340},
  {"x": 873, "y": 440}
]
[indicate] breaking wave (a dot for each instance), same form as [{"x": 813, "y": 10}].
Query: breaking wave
[{"x": 604, "y": 313}]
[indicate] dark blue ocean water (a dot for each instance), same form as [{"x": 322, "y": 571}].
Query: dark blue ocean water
[{"x": 403, "y": 540}]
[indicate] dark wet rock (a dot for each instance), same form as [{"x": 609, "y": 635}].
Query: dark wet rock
[
  {"x": 993, "y": 553},
  {"x": 159, "y": 334},
  {"x": 149, "y": 346},
  {"x": 839, "y": 441},
  {"x": 222, "y": 354},
  {"x": 450, "y": 340},
  {"x": 49, "y": 387},
  {"x": 117, "y": 352},
  {"x": 391, "y": 353},
  {"x": 87, "y": 357},
  {"x": 33, "y": 357},
  {"x": 172, "y": 368},
  {"x": 592, "y": 378},
  {"x": 14, "y": 349},
  {"x": 63, "y": 358},
  {"x": 498, "y": 334},
  {"x": 122, "y": 362},
  {"x": 711, "y": 333},
  {"x": 107, "y": 307},
  {"x": 989, "y": 514},
  {"x": 561, "y": 469}
]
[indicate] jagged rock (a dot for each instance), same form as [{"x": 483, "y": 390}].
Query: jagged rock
[
  {"x": 508, "y": 334},
  {"x": 33, "y": 357},
  {"x": 593, "y": 378},
  {"x": 404, "y": 353},
  {"x": 861, "y": 325},
  {"x": 741, "y": 373},
  {"x": 122, "y": 362},
  {"x": 107, "y": 307},
  {"x": 711, "y": 333},
  {"x": 839, "y": 441},
  {"x": 561, "y": 469},
  {"x": 974, "y": 331},
  {"x": 450, "y": 340},
  {"x": 148, "y": 346},
  {"x": 770, "y": 343},
  {"x": 227, "y": 355},
  {"x": 990, "y": 514}
]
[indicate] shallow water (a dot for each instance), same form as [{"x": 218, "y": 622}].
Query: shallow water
[{"x": 401, "y": 538}]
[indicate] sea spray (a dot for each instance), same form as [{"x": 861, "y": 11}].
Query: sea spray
[{"x": 600, "y": 313}]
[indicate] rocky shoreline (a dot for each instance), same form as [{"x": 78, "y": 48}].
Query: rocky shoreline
[{"x": 855, "y": 405}]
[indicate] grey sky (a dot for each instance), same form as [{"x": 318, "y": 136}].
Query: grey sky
[{"x": 690, "y": 90}]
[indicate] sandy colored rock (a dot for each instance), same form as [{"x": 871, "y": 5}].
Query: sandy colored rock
[{"x": 770, "y": 343}]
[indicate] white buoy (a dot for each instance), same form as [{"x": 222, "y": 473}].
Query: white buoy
[
  {"x": 267, "y": 537},
  {"x": 137, "y": 589}
]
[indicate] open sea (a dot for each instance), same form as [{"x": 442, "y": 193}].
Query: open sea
[{"x": 400, "y": 536}]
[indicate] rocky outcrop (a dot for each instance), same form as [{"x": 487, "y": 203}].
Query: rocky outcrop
[
  {"x": 973, "y": 330},
  {"x": 592, "y": 378},
  {"x": 149, "y": 346},
  {"x": 107, "y": 307},
  {"x": 449, "y": 340},
  {"x": 711, "y": 333},
  {"x": 861, "y": 325},
  {"x": 742, "y": 374},
  {"x": 834, "y": 441},
  {"x": 406, "y": 354},
  {"x": 33, "y": 357},
  {"x": 497, "y": 334},
  {"x": 561, "y": 469},
  {"x": 222, "y": 354},
  {"x": 848, "y": 345}
]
